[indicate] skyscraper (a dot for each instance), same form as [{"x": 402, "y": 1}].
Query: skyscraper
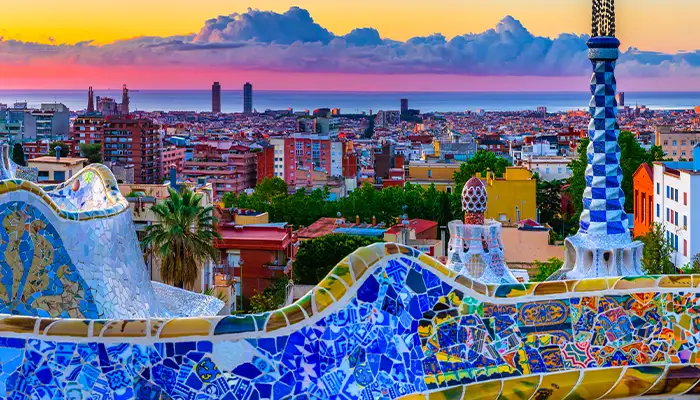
[
  {"x": 216, "y": 97},
  {"x": 91, "y": 101},
  {"x": 247, "y": 98},
  {"x": 125, "y": 101},
  {"x": 404, "y": 106}
]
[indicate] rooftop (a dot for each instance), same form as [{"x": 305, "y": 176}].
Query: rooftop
[{"x": 62, "y": 160}]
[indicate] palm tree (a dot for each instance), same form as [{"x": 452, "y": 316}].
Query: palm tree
[{"x": 184, "y": 237}]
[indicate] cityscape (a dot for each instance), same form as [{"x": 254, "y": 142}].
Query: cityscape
[{"x": 326, "y": 212}]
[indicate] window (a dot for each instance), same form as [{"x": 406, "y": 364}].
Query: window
[
  {"x": 59, "y": 176},
  {"x": 558, "y": 170},
  {"x": 685, "y": 198},
  {"x": 668, "y": 215},
  {"x": 668, "y": 192},
  {"x": 430, "y": 174},
  {"x": 658, "y": 210},
  {"x": 685, "y": 222},
  {"x": 675, "y": 153},
  {"x": 676, "y": 194},
  {"x": 665, "y": 142},
  {"x": 675, "y": 143},
  {"x": 658, "y": 188},
  {"x": 685, "y": 248},
  {"x": 676, "y": 218}
]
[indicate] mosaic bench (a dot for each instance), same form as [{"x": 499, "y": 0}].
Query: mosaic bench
[{"x": 388, "y": 322}]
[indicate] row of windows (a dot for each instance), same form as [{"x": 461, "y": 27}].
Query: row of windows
[
  {"x": 683, "y": 142},
  {"x": 672, "y": 217},
  {"x": 672, "y": 193}
]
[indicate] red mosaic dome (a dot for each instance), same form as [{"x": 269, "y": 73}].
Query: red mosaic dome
[{"x": 474, "y": 196}]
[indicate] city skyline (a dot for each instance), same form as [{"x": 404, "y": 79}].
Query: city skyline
[{"x": 305, "y": 49}]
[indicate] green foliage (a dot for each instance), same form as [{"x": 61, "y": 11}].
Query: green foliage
[
  {"x": 65, "y": 148},
  {"x": 316, "y": 257},
  {"x": 632, "y": 156},
  {"x": 271, "y": 298},
  {"x": 219, "y": 295},
  {"x": 183, "y": 238},
  {"x": 301, "y": 209},
  {"x": 548, "y": 199},
  {"x": 93, "y": 152},
  {"x": 656, "y": 257},
  {"x": 546, "y": 269},
  {"x": 479, "y": 163},
  {"x": 18, "y": 155}
]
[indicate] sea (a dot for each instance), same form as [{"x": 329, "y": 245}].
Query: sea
[{"x": 351, "y": 102}]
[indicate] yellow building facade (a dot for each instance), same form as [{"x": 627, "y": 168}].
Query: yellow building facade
[
  {"x": 439, "y": 174},
  {"x": 512, "y": 198}
]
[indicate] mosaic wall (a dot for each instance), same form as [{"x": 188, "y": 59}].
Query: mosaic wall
[
  {"x": 72, "y": 251},
  {"x": 387, "y": 323}
]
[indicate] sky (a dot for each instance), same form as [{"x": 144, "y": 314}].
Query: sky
[{"x": 340, "y": 44}]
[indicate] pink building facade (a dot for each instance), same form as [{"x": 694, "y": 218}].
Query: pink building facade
[{"x": 229, "y": 167}]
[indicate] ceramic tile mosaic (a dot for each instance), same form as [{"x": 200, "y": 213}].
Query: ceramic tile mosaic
[
  {"x": 387, "y": 323},
  {"x": 70, "y": 251}
]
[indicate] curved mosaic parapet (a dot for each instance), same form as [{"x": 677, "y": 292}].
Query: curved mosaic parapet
[
  {"x": 388, "y": 322},
  {"x": 70, "y": 251}
]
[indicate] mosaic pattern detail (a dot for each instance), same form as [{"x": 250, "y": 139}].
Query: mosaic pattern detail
[
  {"x": 387, "y": 323},
  {"x": 30, "y": 174},
  {"x": 476, "y": 251},
  {"x": 474, "y": 200}
]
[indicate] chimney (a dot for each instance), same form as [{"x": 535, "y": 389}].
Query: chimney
[
  {"x": 696, "y": 157},
  {"x": 374, "y": 220},
  {"x": 173, "y": 177},
  {"x": 357, "y": 220},
  {"x": 58, "y": 152}
]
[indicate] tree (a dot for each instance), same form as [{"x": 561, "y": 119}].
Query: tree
[
  {"x": 656, "y": 257},
  {"x": 18, "y": 155},
  {"x": 93, "y": 152},
  {"x": 692, "y": 267},
  {"x": 479, "y": 163},
  {"x": 546, "y": 269},
  {"x": 632, "y": 156},
  {"x": 183, "y": 238},
  {"x": 269, "y": 188},
  {"x": 317, "y": 257},
  {"x": 548, "y": 199},
  {"x": 65, "y": 148},
  {"x": 271, "y": 298}
]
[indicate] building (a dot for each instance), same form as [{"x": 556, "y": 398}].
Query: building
[
  {"x": 51, "y": 121},
  {"x": 278, "y": 144},
  {"x": 386, "y": 119},
  {"x": 549, "y": 168},
  {"x": 230, "y": 167},
  {"x": 440, "y": 174},
  {"x": 57, "y": 169},
  {"x": 621, "y": 99},
  {"x": 216, "y": 97},
  {"x": 677, "y": 204},
  {"x": 87, "y": 129},
  {"x": 266, "y": 162},
  {"x": 172, "y": 157},
  {"x": 404, "y": 106},
  {"x": 643, "y": 179},
  {"x": 253, "y": 255},
  {"x": 134, "y": 142},
  {"x": 420, "y": 234},
  {"x": 247, "y": 98},
  {"x": 306, "y": 152},
  {"x": 511, "y": 198},
  {"x": 676, "y": 145}
]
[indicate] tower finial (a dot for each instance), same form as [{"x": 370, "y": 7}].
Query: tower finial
[{"x": 603, "y": 21}]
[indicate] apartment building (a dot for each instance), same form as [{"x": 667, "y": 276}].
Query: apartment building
[
  {"x": 133, "y": 142},
  {"x": 230, "y": 167},
  {"x": 87, "y": 129},
  {"x": 677, "y": 146}
]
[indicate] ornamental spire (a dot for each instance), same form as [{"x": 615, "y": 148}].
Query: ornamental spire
[{"x": 603, "y": 18}]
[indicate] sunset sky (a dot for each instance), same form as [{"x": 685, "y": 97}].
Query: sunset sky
[{"x": 71, "y": 44}]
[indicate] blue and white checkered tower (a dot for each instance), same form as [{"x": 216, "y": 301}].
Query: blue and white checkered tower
[{"x": 603, "y": 246}]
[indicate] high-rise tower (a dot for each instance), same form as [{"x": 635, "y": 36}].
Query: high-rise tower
[
  {"x": 602, "y": 246},
  {"x": 216, "y": 97},
  {"x": 247, "y": 98},
  {"x": 125, "y": 101},
  {"x": 91, "y": 101}
]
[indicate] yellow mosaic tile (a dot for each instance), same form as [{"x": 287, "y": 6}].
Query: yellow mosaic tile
[
  {"x": 342, "y": 271},
  {"x": 449, "y": 394},
  {"x": 69, "y": 327},
  {"x": 549, "y": 288},
  {"x": 185, "y": 327},
  {"x": 520, "y": 388},
  {"x": 479, "y": 288},
  {"x": 430, "y": 261},
  {"x": 464, "y": 281},
  {"x": 591, "y": 285},
  {"x": 595, "y": 383},
  {"x": 334, "y": 286},
  {"x": 557, "y": 386},
  {"x": 677, "y": 380},
  {"x": 306, "y": 304},
  {"x": 676, "y": 281},
  {"x": 97, "y": 326},
  {"x": 322, "y": 299},
  {"x": 156, "y": 324},
  {"x": 636, "y": 381},
  {"x": 483, "y": 391},
  {"x": 276, "y": 321},
  {"x": 43, "y": 324},
  {"x": 638, "y": 282},
  {"x": 17, "y": 324},
  {"x": 358, "y": 264},
  {"x": 294, "y": 314},
  {"x": 126, "y": 328},
  {"x": 696, "y": 280}
]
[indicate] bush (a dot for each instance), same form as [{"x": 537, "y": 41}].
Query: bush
[
  {"x": 546, "y": 269},
  {"x": 317, "y": 257}
]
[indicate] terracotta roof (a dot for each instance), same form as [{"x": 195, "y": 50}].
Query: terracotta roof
[{"x": 419, "y": 225}]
